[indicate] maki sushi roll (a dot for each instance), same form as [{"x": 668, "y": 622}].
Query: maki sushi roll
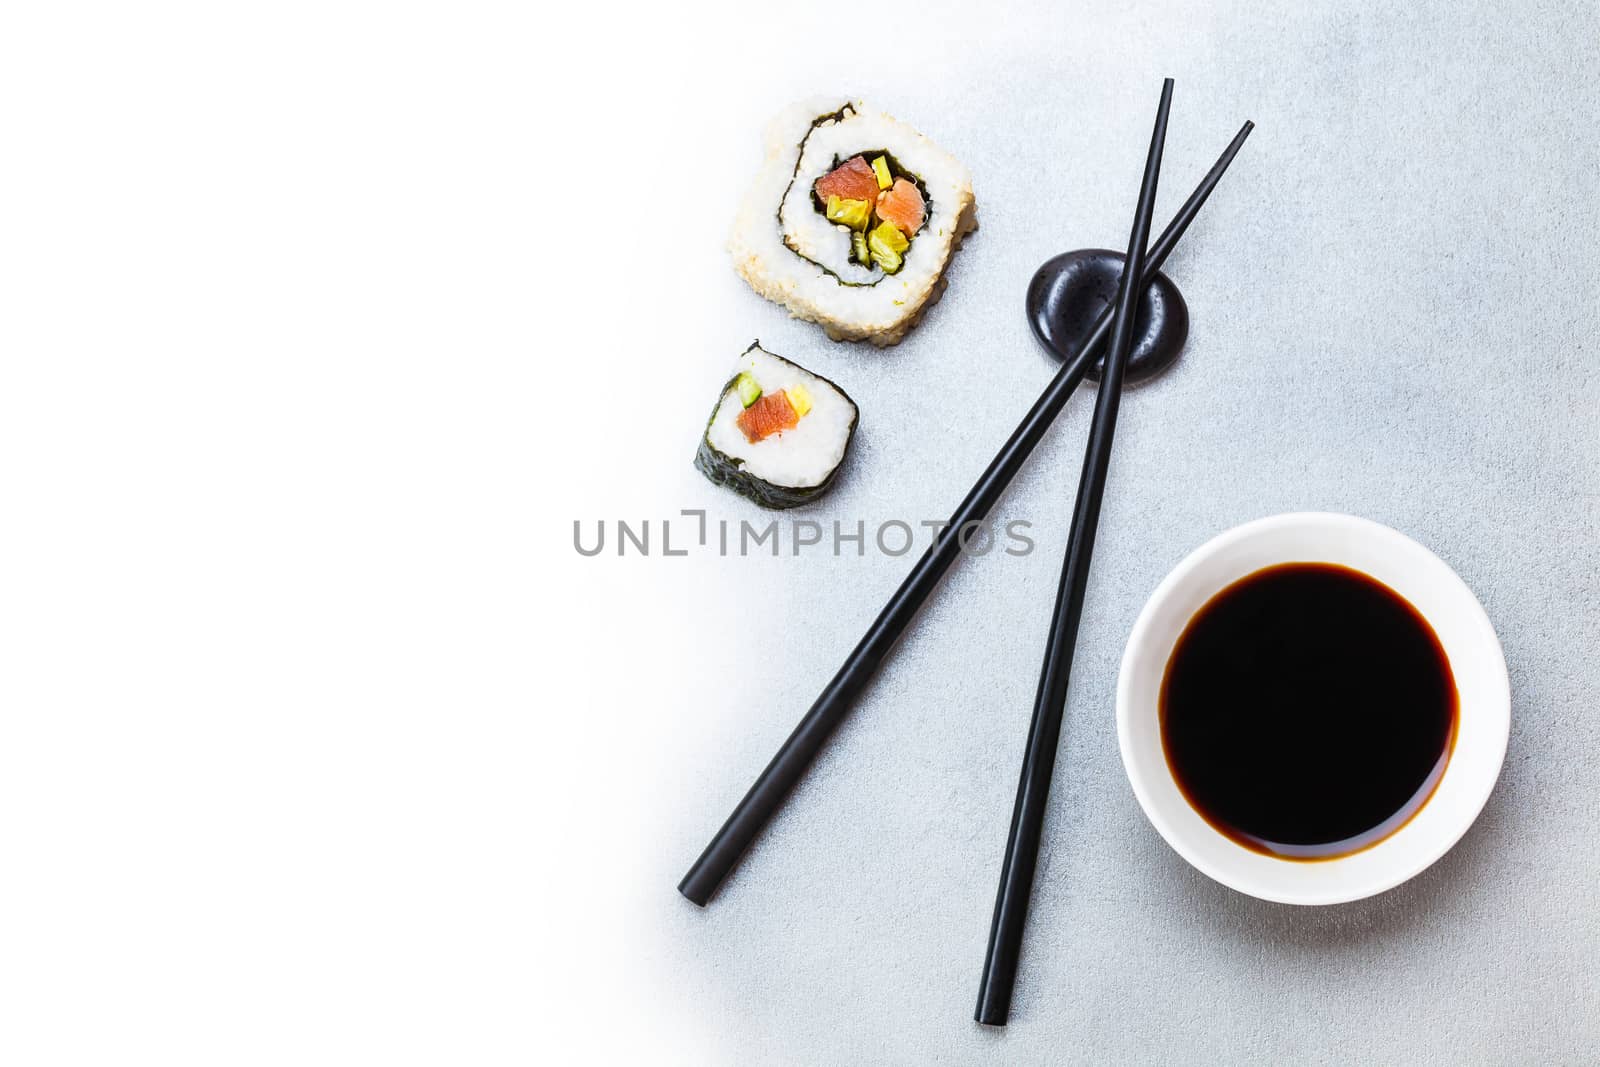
[
  {"x": 852, "y": 220},
  {"x": 778, "y": 432}
]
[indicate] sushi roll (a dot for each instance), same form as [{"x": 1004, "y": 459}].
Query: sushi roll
[
  {"x": 778, "y": 432},
  {"x": 852, "y": 220}
]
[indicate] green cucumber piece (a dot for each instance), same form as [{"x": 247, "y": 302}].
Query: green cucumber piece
[{"x": 749, "y": 391}]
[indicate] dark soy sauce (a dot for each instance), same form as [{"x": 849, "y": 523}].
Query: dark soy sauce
[{"x": 1308, "y": 711}]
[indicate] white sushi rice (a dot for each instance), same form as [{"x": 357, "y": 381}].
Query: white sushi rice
[
  {"x": 797, "y": 458},
  {"x": 791, "y": 254}
]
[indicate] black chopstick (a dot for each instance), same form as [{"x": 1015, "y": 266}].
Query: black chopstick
[
  {"x": 1039, "y": 758},
  {"x": 790, "y": 763}
]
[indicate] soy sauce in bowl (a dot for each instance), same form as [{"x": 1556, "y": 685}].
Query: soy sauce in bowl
[{"x": 1307, "y": 711}]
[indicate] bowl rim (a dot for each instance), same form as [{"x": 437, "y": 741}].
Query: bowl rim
[{"x": 1494, "y": 696}]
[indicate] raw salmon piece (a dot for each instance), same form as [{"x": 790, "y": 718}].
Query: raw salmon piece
[
  {"x": 851, "y": 180},
  {"x": 902, "y": 205},
  {"x": 767, "y": 416}
]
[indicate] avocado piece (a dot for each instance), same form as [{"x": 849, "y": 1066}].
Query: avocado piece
[
  {"x": 889, "y": 234},
  {"x": 880, "y": 170},
  {"x": 852, "y": 213},
  {"x": 885, "y": 244}
]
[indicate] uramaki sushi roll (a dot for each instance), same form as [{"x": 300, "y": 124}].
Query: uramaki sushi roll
[
  {"x": 778, "y": 433},
  {"x": 852, "y": 220}
]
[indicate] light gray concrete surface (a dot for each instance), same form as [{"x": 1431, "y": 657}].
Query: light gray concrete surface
[{"x": 1395, "y": 296}]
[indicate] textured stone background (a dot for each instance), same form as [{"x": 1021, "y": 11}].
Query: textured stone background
[{"x": 1395, "y": 296}]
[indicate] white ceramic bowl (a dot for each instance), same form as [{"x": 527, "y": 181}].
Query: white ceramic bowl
[{"x": 1479, "y": 666}]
